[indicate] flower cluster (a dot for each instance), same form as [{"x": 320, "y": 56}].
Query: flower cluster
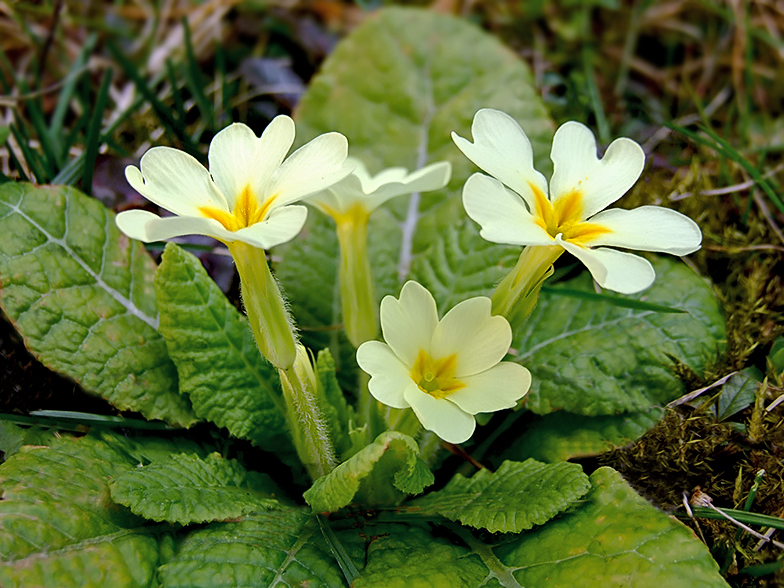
[{"x": 445, "y": 370}]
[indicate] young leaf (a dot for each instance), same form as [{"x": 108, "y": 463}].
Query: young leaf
[
  {"x": 340, "y": 414},
  {"x": 381, "y": 474},
  {"x": 616, "y": 538},
  {"x": 58, "y": 526},
  {"x": 220, "y": 368},
  {"x": 514, "y": 498},
  {"x": 560, "y": 435},
  {"x": 738, "y": 393},
  {"x": 594, "y": 358},
  {"x": 282, "y": 548},
  {"x": 81, "y": 295},
  {"x": 186, "y": 489}
]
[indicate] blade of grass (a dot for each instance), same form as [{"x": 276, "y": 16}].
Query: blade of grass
[
  {"x": 94, "y": 133},
  {"x": 194, "y": 80},
  {"x": 749, "y": 518},
  {"x": 17, "y": 165},
  {"x": 339, "y": 552},
  {"x": 35, "y": 110},
  {"x": 179, "y": 104},
  {"x": 722, "y": 147},
  {"x": 61, "y": 419},
  {"x": 67, "y": 92},
  {"x": 614, "y": 300},
  {"x": 161, "y": 110},
  {"x": 30, "y": 156}
]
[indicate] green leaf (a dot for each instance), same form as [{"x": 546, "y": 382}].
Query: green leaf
[
  {"x": 594, "y": 358},
  {"x": 81, "y": 295},
  {"x": 186, "y": 489},
  {"x": 397, "y": 87},
  {"x": 58, "y": 526},
  {"x": 461, "y": 265},
  {"x": 399, "y": 556},
  {"x": 381, "y": 474},
  {"x": 219, "y": 366},
  {"x": 738, "y": 393},
  {"x": 282, "y": 548},
  {"x": 514, "y": 498},
  {"x": 776, "y": 356},
  {"x": 561, "y": 435},
  {"x": 616, "y": 538}
]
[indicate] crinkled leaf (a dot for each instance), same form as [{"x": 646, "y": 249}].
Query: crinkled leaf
[
  {"x": 561, "y": 435},
  {"x": 382, "y": 473},
  {"x": 278, "y": 549},
  {"x": 738, "y": 393},
  {"x": 220, "y": 367},
  {"x": 616, "y": 538},
  {"x": 58, "y": 525},
  {"x": 516, "y": 497},
  {"x": 593, "y": 358},
  {"x": 81, "y": 294},
  {"x": 399, "y": 556},
  {"x": 186, "y": 489},
  {"x": 461, "y": 265},
  {"x": 397, "y": 87}
]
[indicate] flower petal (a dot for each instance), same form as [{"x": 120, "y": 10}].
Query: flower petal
[
  {"x": 175, "y": 181},
  {"x": 501, "y": 213},
  {"x": 649, "y": 228},
  {"x": 578, "y": 168},
  {"x": 282, "y": 225},
  {"x": 233, "y": 157},
  {"x": 431, "y": 177},
  {"x": 388, "y": 376},
  {"x": 148, "y": 227},
  {"x": 478, "y": 339},
  {"x": 442, "y": 417},
  {"x": 503, "y": 150},
  {"x": 408, "y": 323},
  {"x": 311, "y": 168},
  {"x": 338, "y": 199},
  {"x": 615, "y": 270},
  {"x": 495, "y": 389}
]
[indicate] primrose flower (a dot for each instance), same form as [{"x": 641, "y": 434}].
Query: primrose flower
[
  {"x": 360, "y": 193},
  {"x": 513, "y": 206},
  {"x": 247, "y": 201},
  {"x": 446, "y": 371},
  {"x": 248, "y": 193},
  {"x": 350, "y": 203}
]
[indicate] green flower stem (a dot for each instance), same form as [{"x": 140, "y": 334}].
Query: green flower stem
[
  {"x": 516, "y": 295},
  {"x": 269, "y": 320},
  {"x": 360, "y": 311},
  {"x": 305, "y": 418},
  {"x": 370, "y": 409},
  {"x": 404, "y": 421}
]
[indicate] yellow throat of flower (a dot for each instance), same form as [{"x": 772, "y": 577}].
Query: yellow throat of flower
[
  {"x": 247, "y": 211},
  {"x": 565, "y": 217},
  {"x": 436, "y": 376}
]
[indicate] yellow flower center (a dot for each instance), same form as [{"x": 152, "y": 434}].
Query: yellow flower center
[
  {"x": 436, "y": 376},
  {"x": 247, "y": 211},
  {"x": 565, "y": 217}
]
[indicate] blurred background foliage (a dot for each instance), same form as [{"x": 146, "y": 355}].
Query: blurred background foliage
[{"x": 87, "y": 87}]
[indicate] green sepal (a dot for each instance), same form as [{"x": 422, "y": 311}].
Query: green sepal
[
  {"x": 81, "y": 294},
  {"x": 209, "y": 340},
  {"x": 187, "y": 489},
  {"x": 514, "y": 498},
  {"x": 382, "y": 474}
]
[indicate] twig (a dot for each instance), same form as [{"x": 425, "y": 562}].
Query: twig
[{"x": 693, "y": 395}]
